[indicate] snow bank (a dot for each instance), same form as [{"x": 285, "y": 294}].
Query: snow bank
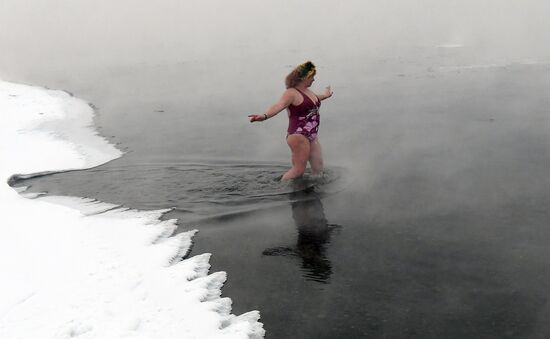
[{"x": 84, "y": 268}]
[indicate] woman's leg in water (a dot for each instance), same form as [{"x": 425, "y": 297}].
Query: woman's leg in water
[
  {"x": 316, "y": 157},
  {"x": 299, "y": 146}
]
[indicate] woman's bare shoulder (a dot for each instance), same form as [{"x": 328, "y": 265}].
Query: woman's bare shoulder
[
  {"x": 291, "y": 91},
  {"x": 293, "y": 96}
]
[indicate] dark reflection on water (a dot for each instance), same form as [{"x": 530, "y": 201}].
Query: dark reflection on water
[{"x": 314, "y": 234}]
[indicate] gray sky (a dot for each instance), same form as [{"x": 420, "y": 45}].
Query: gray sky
[{"x": 58, "y": 33}]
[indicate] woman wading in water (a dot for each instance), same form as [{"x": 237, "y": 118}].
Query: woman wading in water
[{"x": 303, "y": 120}]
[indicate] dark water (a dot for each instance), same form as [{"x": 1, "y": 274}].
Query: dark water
[
  {"x": 198, "y": 190},
  {"x": 432, "y": 220}
]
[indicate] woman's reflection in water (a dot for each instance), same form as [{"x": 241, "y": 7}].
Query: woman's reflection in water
[{"x": 313, "y": 237}]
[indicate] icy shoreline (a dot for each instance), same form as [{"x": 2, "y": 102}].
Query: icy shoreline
[{"x": 87, "y": 269}]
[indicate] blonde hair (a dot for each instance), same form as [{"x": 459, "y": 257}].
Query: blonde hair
[{"x": 301, "y": 72}]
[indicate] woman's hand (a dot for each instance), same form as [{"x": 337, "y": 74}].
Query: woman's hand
[
  {"x": 257, "y": 117},
  {"x": 328, "y": 92}
]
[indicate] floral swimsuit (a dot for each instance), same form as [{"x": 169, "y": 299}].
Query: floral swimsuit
[{"x": 304, "y": 118}]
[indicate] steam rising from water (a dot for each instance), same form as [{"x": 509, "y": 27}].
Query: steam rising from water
[
  {"x": 89, "y": 36},
  {"x": 425, "y": 85}
]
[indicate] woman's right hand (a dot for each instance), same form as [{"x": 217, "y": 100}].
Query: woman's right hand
[{"x": 256, "y": 117}]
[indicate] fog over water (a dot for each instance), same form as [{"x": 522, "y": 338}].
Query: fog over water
[
  {"x": 439, "y": 120},
  {"x": 216, "y": 61}
]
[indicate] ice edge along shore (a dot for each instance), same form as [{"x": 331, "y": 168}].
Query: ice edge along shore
[{"x": 82, "y": 268}]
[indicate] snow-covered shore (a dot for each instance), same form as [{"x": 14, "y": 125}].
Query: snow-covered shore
[{"x": 87, "y": 269}]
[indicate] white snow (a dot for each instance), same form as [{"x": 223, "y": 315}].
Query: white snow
[{"x": 74, "y": 267}]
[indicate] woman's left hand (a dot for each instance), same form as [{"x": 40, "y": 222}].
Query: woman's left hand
[{"x": 328, "y": 92}]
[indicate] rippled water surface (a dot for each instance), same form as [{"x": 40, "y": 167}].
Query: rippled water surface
[{"x": 199, "y": 190}]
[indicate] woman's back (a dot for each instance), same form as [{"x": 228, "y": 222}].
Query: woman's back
[{"x": 304, "y": 118}]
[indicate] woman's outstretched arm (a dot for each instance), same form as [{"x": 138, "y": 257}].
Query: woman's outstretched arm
[
  {"x": 284, "y": 102},
  {"x": 326, "y": 94}
]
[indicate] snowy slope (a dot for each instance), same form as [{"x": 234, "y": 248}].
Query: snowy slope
[{"x": 81, "y": 268}]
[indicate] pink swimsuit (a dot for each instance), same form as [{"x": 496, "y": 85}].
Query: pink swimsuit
[{"x": 304, "y": 119}]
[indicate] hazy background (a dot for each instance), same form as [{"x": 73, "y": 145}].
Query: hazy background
[
  {"x": 90, "y": 35},
  {"x": 425, "y": 88},
  {"x": 204, "y": 65}
]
